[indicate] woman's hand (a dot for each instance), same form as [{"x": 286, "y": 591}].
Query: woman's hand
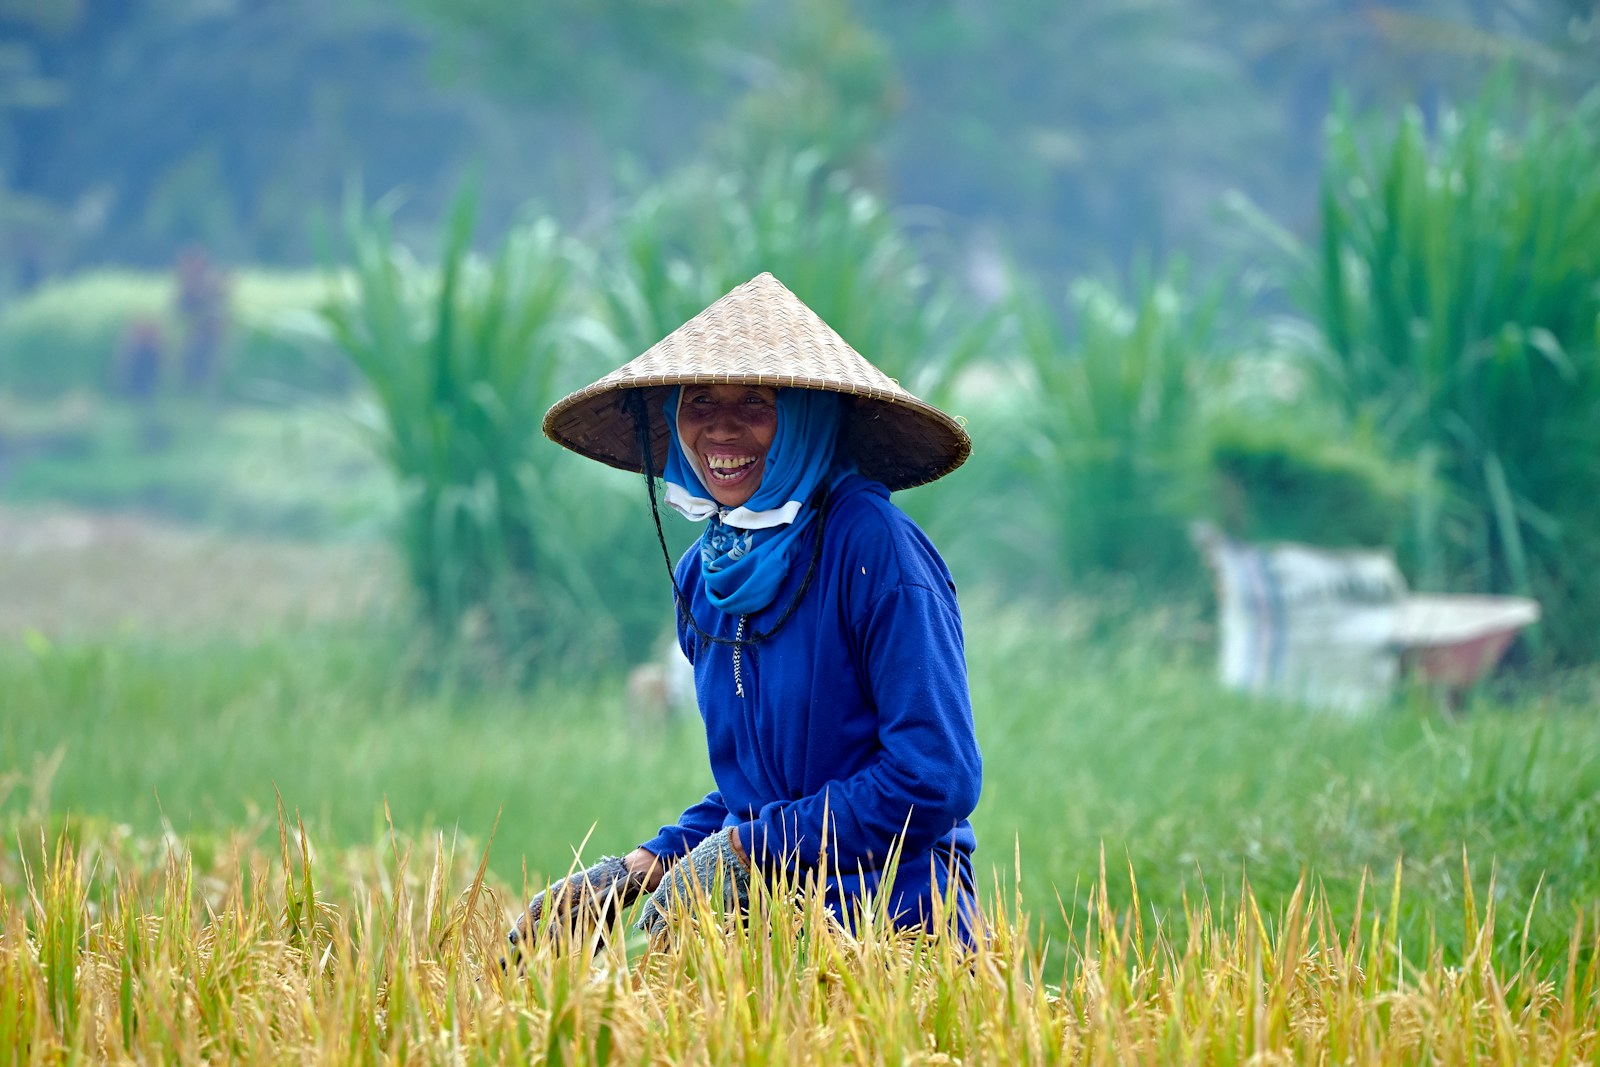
[
  {"x": 714, "y": 866},
  {"x": 582, "y": 901},
  {"x": 646, "y": 866}
]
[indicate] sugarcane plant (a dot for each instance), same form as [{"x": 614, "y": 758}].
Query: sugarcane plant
[
  {"x": 510, "y": 551},
  {"x": 1457, "y": 294},
  {"x": 1111, "y": 425}
]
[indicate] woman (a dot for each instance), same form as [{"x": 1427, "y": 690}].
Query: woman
[{"x": 821, "y": 623}]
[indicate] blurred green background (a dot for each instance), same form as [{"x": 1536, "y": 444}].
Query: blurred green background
[
  {"x": 286, "y": 287},
  {"x": 1124, "y": 239}
]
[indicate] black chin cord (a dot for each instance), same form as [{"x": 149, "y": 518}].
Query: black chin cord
[{"x": 635, "y": 403}]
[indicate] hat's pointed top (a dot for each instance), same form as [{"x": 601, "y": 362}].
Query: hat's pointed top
[{"x": 760, "y": 333}]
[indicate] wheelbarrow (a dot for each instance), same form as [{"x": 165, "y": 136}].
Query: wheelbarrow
[{"x": 1456, "y": 640}]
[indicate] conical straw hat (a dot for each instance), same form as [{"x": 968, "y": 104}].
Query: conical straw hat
[{"x": 762, "y": 334}]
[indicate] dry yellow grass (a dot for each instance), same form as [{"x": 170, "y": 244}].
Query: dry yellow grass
[{"x": 120, "y": 950}]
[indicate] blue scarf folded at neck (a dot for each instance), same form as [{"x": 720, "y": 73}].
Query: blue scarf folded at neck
[{"x": 745, "y": 552}]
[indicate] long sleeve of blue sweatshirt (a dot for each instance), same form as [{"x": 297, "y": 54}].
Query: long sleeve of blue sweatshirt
[{"x": 855, "y": 712}]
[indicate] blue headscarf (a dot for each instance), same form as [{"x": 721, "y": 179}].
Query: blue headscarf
[{"x": 745, "y": 551}]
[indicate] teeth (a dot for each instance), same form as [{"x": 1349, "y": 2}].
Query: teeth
[{"x": 728, "y": 463}]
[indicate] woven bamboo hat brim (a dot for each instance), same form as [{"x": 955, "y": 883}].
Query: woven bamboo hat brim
[{"x": 762, "y": 334}]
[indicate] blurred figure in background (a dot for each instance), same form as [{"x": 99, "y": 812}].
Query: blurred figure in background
[{"x": 204, "y": 291}]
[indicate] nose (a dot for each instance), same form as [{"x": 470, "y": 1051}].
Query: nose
[{"x": 724, "y": 423}]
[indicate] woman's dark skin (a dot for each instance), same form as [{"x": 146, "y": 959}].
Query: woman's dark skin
[
  {"x": 643, "y": 860},
  {"x": 727, "y": 431}
]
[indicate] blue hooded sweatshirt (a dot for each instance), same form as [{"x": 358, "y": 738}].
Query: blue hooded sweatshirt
[{"x": 857, "y": 707}]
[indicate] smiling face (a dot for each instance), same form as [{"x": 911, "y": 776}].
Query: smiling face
[{"x": 727, "y": 430}]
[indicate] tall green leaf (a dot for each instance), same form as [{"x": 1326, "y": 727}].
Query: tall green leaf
[
  {"x": 520, "y": 555},
  {"x": 1459, "y": 288}
]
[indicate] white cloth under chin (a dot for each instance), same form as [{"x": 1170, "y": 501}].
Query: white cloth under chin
[{"x": 697, "y": 509}]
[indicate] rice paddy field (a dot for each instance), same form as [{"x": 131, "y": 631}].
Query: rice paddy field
[{"x": 237, "y": 828}]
